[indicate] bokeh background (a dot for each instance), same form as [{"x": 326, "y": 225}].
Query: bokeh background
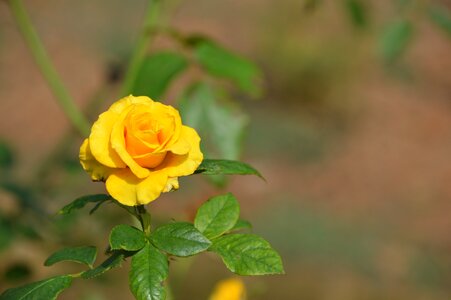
[{"x": 352, "y": 133}]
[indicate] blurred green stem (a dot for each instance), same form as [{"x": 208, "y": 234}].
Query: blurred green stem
[
  {"x": 139, "y": 53},
  {"x": 144, "y": 218},
  {"x": 46, "y": 67}
]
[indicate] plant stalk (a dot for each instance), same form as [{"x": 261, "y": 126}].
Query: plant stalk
[
  {"x": 140, "y": 50},
  {"x": 46, "y": 67}
]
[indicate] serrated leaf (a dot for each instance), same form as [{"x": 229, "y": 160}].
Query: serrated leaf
[
  {"x": 156, "y": 73},
  {"x": 241, "y": 225},
  {"x": 220, "y": 62},
  {"x": 247, "y": 254},
  {"x": 81, "y": 202},
  {"x": 180, "y": 239},
  {"x": 84, "y": 255},
  {"x": 441, "y": 16},
  {"x": 115, "y": 260},
  {"x": 127, "y": 238},
  {"x": 395, "y": 40},
  {"x": 149, "y": 268},
  {"x": 218, "y": 215},
  {"x": 226, "y": 167},
  {"x": 47, "y": 289}
]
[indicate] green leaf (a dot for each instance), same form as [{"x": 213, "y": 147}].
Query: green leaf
[
  {"x": 149, "y": 268},
  {"x": 240, "y": 225},
  {"x": 115, "y": 260},
  {"x": 47, "y": 289},
  {"x": 127, "y": 238},
  {"x": 84, "y": 255},
  {"x": 247, "y": 254},
  {"x": 218, "y": 215},
  {"x": 222, "y": 63},
  {"x": 81, "y": 202},
  {"x": 441, "y": 17},
  {"x": 357, "y": 12},
  {"x": 180, "y": 239},
  {"x": 395, "y": 40},
  {"x": 156, "y": 73},
  {"x": 227, "y": 167}
]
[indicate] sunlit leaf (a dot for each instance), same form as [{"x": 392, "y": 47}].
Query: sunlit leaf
[
  {"x": 241, "y": 225},
  {"x": 221, "y": 62},
  {"x": 218, "y": 215},
  {"x": 180, "y": 239},
  {"x": 395, "y": 40},
  {"x": 81, "y": 202},
  {"x": 247, "y": 254},
  {"x": 149, "y": 268},
  {"x": 84, "y": 255},
  {"x": 156, "y": 73},
  {"x": 127, "y": 238},
  {"x": 47, "y": 289}
]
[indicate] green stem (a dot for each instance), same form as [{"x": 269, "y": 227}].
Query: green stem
[
  {"x": 46, "y": 67},
  {"x": 141, "y": 46},
  {"x": 144, "y": 218}
]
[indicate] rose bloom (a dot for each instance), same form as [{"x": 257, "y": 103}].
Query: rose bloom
[{"x": 139, "y": 147}]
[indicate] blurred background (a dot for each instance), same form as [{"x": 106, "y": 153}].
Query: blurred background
[{"x": 351, "y": 127}]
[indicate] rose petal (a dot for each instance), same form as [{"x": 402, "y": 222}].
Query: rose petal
[
  {"x": 118, "y": 144},
  {"x": 130, "y": 190},
  {"x": 182, "y": 165},
  {"x": 97, "y": 171},
  {"x": 99, "y": 139}
]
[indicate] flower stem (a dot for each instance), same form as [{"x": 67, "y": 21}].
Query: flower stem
[
  {"x": 144, "y": 218},
  {"x": 139, "y": 52},
  {"x": 46, "y": 67}
]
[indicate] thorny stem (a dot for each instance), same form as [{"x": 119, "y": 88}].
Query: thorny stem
[
  {"x": 141, "y": 46},
  {"x": 46, "y": 67}
]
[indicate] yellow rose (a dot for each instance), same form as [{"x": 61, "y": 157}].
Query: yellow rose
[
  {"x": 139, "y": 147},
  {"x": 229, "y": 289}
]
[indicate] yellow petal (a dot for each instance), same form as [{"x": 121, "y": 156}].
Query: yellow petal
[
  {"x": 229, "y": 289},
  {"x": 182, "y": 146},
  {"x": 171, "y": 185},
  {"x": 97, "y": 171},
  {"x": 101, "y": 131},
  {"x": 181, "y": 165},
  {"x": 130, "y": 190},
  {"x": 150, "y": 160},
  {"x": 118, "y": 144}
]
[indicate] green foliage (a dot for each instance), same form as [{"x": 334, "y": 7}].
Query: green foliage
[
  {"x": 127, "y": 238},
  {"x": 84, "y": 255},
  {"x": 395, "y": 40},
  {"x": 180, "y": 239},
  {"x": 115, "y": 260},
  {"x": 149, "y": 268},
  {"x": 247, "y": 254},
  {"x": 357, "y": 12},
  {"x": 241, "y": 225},
  {"x": 217, "y": 216},
  {"x": 226, "y": 167},
  {"x": 222, "y": 63},
  {"x": 156, "y": 73},
  {"x": 220, "y": 124},
  {"x": 441, "y": 16},
  {"x": 81, "y": 202},
  {"x": 46, "y": 289}
]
